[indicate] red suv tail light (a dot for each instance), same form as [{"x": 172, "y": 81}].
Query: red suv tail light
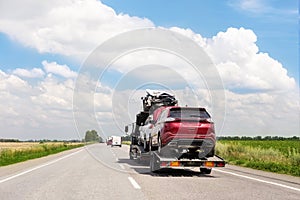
[{"x": 171, "y": 126}]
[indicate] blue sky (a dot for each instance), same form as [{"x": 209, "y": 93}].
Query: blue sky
[
  {"x": 15, "y": 55},
  {"x": 43, "y": 44}
]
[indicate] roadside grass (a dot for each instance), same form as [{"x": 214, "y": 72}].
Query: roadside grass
[
  {"x": 274, "y": 156},
  {"x": 11, "y": 153},
  {"x": 126, "y": 142}
]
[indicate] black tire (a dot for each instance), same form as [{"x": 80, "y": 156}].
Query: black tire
[
  {"x": 133, "y": 154},
  {"x": 138, "y": 157},
  {"x": 150, "y": 144},
  {"x": 151, "y": 147},
  {"x": 130, "y": 153},
  {"x": 146, "y": 145},
  {"x": 205, "y": 170}
]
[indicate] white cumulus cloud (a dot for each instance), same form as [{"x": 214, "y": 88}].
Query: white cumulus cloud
[
  {"x": 44, "y": 109},
  {"x": 64, "y": 26},
  {"x": 62, "y": 70},
  {"x": 240, "y": 63},
  {"x": 33, "y": 73}
]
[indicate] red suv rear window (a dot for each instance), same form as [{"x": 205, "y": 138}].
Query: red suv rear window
[{"x": 184, "y": 113}]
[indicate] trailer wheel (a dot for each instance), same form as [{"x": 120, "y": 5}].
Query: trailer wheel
[
  {"x": 130, "y": 153},
  {"x": 154, "y": 165},
  {"x": 205, "y": 170},
  {"x": 133, "y": 154},
  {"x": 146, "y": 145},
  {"x": 150, "y": 144}
]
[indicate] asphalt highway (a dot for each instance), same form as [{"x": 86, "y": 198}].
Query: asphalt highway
[{"x": 102, "y": 172}]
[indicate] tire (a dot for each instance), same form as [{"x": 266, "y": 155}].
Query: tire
[
  {"x": 150, "y": 144},
  {"x": 205, "y": 170},
  {"x": 130, "y": 156},
  {"x": 146, "y": 146},
  {"x": 130, "y": 153}
]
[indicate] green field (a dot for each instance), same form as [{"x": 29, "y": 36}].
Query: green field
[
  {"x": 126, "y": 142},
  {"x": 15, "y": 152},
  {"x": 280, "y": 156}
]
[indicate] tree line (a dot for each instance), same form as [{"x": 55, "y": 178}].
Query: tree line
[
  {"x": 41, "y": 140},
  {"x": 92, "y": 136}
]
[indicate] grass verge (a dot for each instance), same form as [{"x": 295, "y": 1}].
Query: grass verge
[
  {"x": 126, "y": 142},
  {"x": 263, "y": 157},
  {"x": 14, "y": 155}
]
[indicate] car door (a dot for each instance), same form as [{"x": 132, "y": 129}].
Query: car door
[
  {"x": 148, "y": 127},
  {"x": 158, "y": 126}
]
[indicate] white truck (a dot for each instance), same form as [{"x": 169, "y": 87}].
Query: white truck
[{"x": 116, "y": 141}]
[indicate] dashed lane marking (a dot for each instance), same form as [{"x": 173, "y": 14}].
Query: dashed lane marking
[{"x": 134, "y": 183}]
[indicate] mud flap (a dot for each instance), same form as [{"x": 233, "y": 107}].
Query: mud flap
[{"x": 154, "y": 163}]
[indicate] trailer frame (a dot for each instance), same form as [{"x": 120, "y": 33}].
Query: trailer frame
[{"x": 158, "y": 162}]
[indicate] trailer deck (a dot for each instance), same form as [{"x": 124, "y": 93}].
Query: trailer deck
[{"x": 158, "y": 162}]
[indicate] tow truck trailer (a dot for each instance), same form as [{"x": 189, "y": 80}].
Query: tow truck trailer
[{"x": 156, "y": 160}]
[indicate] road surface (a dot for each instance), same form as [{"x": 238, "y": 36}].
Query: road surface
[{"x": 103, "y": 172}]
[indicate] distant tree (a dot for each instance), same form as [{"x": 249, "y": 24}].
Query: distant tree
[
  {"x": 295, "y": 138},
  {"x": 9, "y": 140},
  {"x": 101, "y": 139},
  {"x": 246, "y": 138},
  {"x": 257, "y": 138},
  {"x": 268, "y": 138},
  {"x": 236, "y": 138},
  {"x": 126, "y": 138},
  {"x": 91, "y": 136}
]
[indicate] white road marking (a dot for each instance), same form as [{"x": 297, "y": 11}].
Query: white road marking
[
  {"x": 259, "y": 180},
  {"x": 38, "y": 167},
  {"x": 117, "y": 159},
  {"x": 122, "y": 166},
  {"x": 134, "y": 183}
]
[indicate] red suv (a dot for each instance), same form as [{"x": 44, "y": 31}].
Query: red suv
[{"x": 185, "y": 131}]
